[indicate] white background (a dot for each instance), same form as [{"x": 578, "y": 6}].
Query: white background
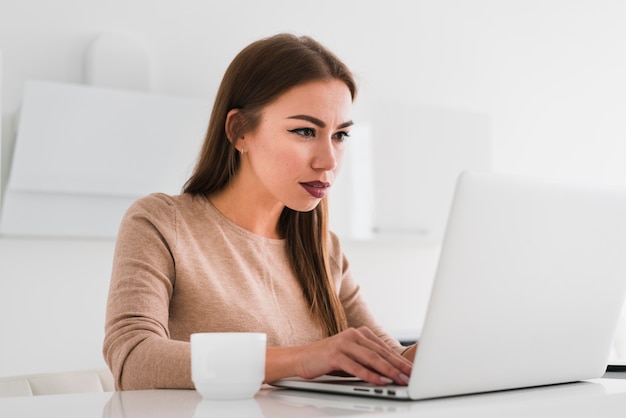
[{"x": 548, "y": 75}]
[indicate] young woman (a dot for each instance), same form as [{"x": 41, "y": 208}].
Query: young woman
[{"x": 246, "y": 246}]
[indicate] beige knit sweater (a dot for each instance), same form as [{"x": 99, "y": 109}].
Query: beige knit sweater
[{"x": 181, "y": 267}]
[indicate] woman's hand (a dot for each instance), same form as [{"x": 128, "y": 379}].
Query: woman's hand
[{"x": 358, "y": 352}]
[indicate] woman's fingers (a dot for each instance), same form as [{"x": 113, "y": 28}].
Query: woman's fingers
[
  {"x": 358, "y": 352},
  {"x": 383, "y": 349},
  {"x": 375, "y": 362}
]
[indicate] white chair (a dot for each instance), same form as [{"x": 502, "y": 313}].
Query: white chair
[{"x": 94, "y": 380}]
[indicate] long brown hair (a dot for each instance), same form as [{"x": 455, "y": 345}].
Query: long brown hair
[{"x": 258, "y": 75}]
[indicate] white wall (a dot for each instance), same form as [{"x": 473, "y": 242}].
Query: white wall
[{"x": 548, "y": 74}]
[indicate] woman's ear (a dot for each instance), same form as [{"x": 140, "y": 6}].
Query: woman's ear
[{"x": 235, "y": 122}]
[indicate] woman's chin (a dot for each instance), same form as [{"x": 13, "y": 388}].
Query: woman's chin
[{"x": 304, "y": 207}]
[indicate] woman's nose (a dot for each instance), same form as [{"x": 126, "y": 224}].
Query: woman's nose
[{"x": 326, "y": 156}]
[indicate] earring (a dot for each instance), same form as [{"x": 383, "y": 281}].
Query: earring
[{"x": 241, "y": 150}]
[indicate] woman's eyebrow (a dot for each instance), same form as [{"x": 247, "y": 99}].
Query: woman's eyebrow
[
  {"x": 319, "y": 122},
  {"x": 345, "y": 124}
]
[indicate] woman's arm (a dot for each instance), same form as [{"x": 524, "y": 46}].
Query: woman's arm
[
  {"x": 409, "y": 353},
  {"x": 137, "y": 344}
]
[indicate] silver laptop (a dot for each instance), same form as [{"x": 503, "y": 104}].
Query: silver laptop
[{"x": 528, "y": 292}]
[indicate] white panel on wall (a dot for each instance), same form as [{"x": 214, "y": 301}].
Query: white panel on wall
[
  {"x": 82, "y": 154},
  {"x": 420, "y": 151}
]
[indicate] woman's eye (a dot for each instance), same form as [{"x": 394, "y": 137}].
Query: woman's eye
[
  {"x": 305, "y": 132},
  {"x": 341, "y": 136}
]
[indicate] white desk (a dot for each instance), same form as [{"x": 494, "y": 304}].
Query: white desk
[{"x": 600, "y": 398}]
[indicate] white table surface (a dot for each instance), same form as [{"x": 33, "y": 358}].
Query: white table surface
[{"x": 593, "y": 398}]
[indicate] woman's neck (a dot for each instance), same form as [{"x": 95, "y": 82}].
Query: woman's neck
[{"x": 247, "y": 210}]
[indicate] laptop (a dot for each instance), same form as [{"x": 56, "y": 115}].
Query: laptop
[{"x": 528, "y": 291}]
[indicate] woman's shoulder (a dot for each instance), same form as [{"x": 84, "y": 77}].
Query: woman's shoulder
[
  {"x": 151, "y": 204},
  {"x": 162, "y": 212},
  {"x": 164, "y": 207},
  {"x": 335, "y": 251},
  {"x": 334, "y": 243},
  {"x": 156, "y": 201}
]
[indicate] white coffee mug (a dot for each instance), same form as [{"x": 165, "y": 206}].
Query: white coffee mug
[{"x": 228, "y": 365}]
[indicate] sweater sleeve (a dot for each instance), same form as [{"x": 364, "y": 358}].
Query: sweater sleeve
[{"x": 137, "y": 345}]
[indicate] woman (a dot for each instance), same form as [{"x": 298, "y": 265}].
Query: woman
[{"x": 246, "y": 246}]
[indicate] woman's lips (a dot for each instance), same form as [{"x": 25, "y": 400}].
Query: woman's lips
[{"x": 316, "y": 189}]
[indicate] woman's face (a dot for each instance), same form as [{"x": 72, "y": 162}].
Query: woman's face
[{"x": 293, "y": 157}]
